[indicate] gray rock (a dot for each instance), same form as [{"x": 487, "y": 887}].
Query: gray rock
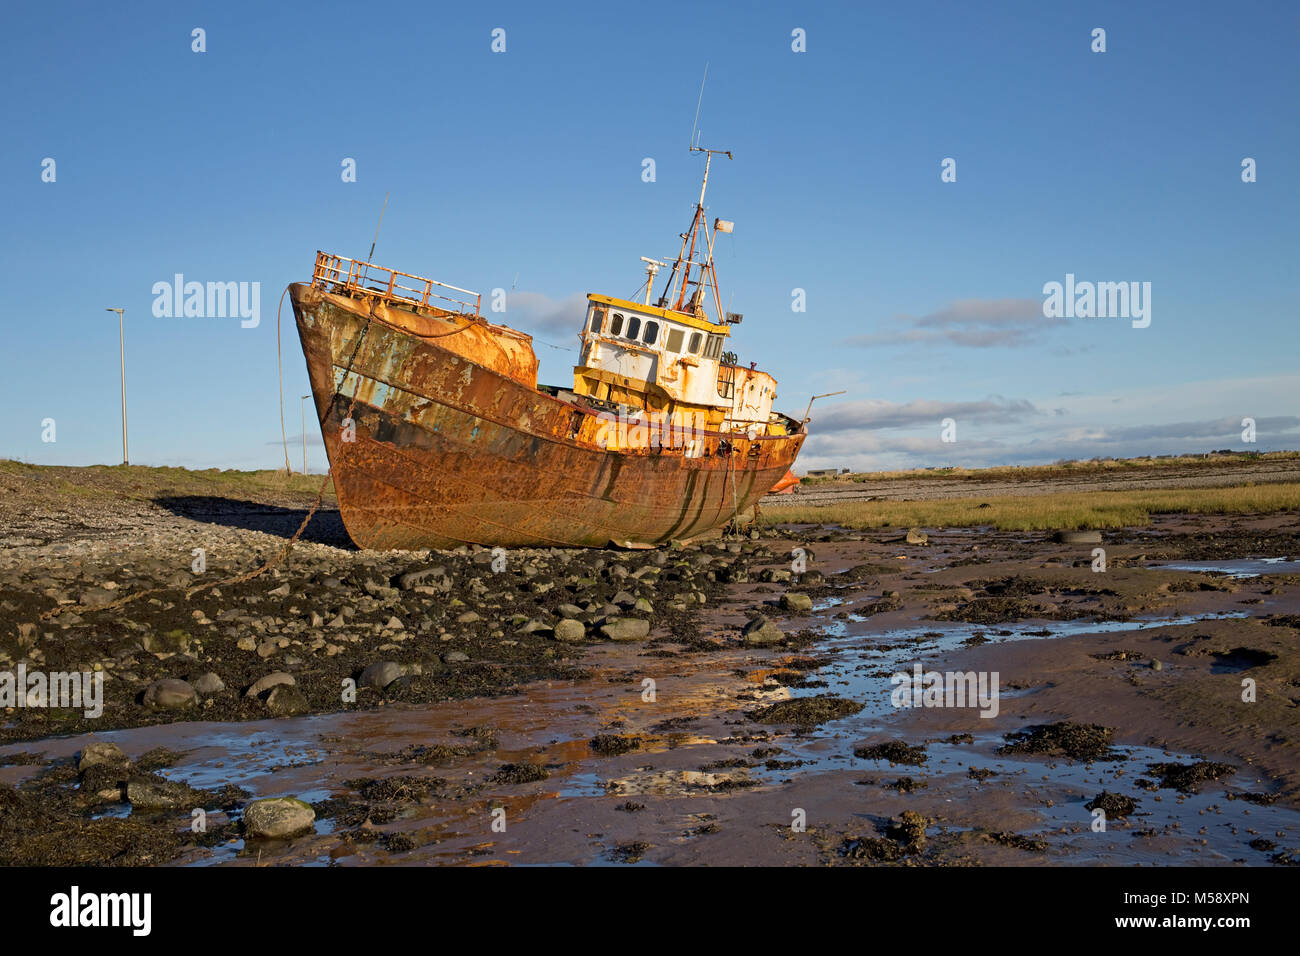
[
  {"x": 623, "y": 599},
  {"x": 208, "y": 684},
  {"x": 917, "y": 536},
  {"x": 263, "y": 684},
  {"x": 278, "y": 818},
  {"x": 469, "y": 617},
  {"x": 626, "y": 629},
  {"x": 380, "y": 674},
  {"x": 570, "y": 631},
  {"x": 170, "y": 694},
  {"x": 101, "y": 752},
  {"x": 762, "y": 631},
  {"x": 97, "y": 597},
  {"x": 569, "y": 611},
  {"x": 152, "y": 793},
  {"x": 455, "y": 657},
  {"x": 767, "y": 634},
  {"x": 175, "y": 642},
  {"x": 286, "y": 700},
  {"x": 434, "y": 577},
  {"x": 797, "y": 603}
]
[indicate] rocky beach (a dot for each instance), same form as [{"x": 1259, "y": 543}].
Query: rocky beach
[{"x": 728, "y": 701}]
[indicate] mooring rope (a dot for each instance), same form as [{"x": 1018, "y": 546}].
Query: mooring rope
[{"x": 283, "y": 553}]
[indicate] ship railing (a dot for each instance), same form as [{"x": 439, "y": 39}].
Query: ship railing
[{"x": 353, "y": 275}]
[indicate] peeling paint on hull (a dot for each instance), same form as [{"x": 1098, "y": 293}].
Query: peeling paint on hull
[{"x": 449, "y": 451}]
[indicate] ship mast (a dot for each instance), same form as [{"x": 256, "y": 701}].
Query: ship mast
[{"x": 706, "y": 274}]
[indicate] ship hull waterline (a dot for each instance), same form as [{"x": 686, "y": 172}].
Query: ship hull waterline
[{"x": 444, "y": 451}]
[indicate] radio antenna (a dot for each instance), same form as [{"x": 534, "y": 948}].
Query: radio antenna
[
  {"x": 698, "y": 104},
  {"x": 371, "y": 257}
]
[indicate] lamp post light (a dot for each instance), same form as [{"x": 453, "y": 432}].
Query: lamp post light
[
  {"x": 304, "y": 433},
  {"x": 121, "y": 337}
]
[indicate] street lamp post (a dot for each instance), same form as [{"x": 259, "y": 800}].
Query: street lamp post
[
  {"x": 304, "y": 433},
  {"x": 121, "y": 336}
]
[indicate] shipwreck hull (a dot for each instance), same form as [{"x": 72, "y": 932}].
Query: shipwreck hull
[{"x": 453, "y": 445}]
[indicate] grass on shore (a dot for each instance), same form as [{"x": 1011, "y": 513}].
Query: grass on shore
[
  {"x": 1064, "y": 469},
  {"x": 1069, "y": 511},
  {"x": 144, "y": 481}
]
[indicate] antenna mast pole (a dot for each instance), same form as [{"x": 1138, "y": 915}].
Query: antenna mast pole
[{"x": 683, "y": 258}]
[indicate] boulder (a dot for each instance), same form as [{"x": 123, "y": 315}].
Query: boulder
[
  {"x": 170, "y": 694},
  {"x": 380, "y": 674},
  {"x": 796, "y": 603},
  {"x": 263, "y": 684},
  {"x": 208, "y": 684},
  {"x": 626, "y": 629},
  {"x": 286, "y": 700},
  {"x": 570, "y": 631},
  {"x": 101, "y": 752},
  {"x": 278, "y": 818}
]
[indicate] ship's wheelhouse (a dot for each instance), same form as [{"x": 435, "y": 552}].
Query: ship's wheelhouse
[{"x": 657, "y": 334}]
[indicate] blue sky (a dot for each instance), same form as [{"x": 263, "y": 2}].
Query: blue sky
[{"x": 923, "y": 297}]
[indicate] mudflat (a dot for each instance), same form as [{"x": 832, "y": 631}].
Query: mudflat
[{"x": 737, "y": 701}]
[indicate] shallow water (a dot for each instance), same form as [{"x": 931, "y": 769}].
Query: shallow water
[
  {"x": 1244, "y": 568},
  {"x": 565, "y": 819}
]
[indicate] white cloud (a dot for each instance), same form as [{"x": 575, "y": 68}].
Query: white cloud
[{"x": 970, "y": 323}]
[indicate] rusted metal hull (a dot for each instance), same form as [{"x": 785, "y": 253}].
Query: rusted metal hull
[{"x": 450, "y": 451}]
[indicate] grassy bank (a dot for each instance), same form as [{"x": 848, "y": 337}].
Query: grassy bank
[
  {"x": 143, "y": 481},
  {"x": 1091, "y": 509},
  {"x": 1067, "y": 469}
]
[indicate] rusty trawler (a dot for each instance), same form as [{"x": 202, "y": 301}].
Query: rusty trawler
[{"x": 438, "y": 434}]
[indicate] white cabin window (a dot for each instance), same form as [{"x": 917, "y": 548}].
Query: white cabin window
[
  {"x": 675, "y": 337},
  {"x": 633, "y": 327},
  {"x": 696, "y": 338},
  {"x": 617, "y": 325},
  {"x": 651, "y": 334}
]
